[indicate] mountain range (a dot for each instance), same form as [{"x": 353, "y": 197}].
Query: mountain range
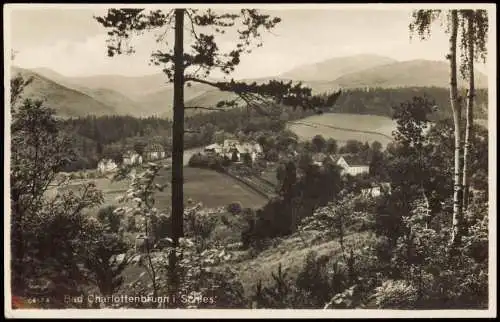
[{"x": 149, "y": 95}]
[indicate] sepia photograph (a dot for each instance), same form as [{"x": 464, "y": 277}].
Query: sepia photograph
[{"x": 249, "y": 160}]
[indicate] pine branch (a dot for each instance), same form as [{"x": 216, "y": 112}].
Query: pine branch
[{"x": 205, "y": 108}]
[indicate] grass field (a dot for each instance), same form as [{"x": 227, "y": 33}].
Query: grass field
[
  {"x": 211, "y": 188},
  {"x": 291, "y": 253},
  {"x": 343, "y": 127}
]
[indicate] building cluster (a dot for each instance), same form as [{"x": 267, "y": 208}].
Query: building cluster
[
  {"x": 350, "y": 164},
  {"x": 353, "y": 165},
  {"x": 235, "y": 149},
  {"x": 152, "y": 152}
]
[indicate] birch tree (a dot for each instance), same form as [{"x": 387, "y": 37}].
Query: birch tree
[
  {"x": 473, "y": 45},
  {"x": 421, "y": 24}
]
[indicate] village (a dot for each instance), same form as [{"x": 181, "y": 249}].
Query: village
[
  {"x": 152, "y": 152},
  {"x": 246, "y": 162}
]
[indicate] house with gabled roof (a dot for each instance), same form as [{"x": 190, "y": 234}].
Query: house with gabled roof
[
  {"x": 106, "y": 165},
  {"x": 131, "y": 158},
  {"x": 232, "y": 146},
  {"x": 229, "y": 143},
  {"x": 353, "y": 165},
  {"x": 154, "y": 151},
  {"x": 377, "y": 189},
  {"x": 213, "y": 148}
]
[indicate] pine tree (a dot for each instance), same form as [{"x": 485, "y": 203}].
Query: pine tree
[{"x": 184, "y": 66}]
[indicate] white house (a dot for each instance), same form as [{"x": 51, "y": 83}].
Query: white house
[
  {"x": 234, "y": 146},
  {"x": 257, "y": 148},
  {"x": 377, "y": 189},
  {"x": 154, "y": 151},
  {"x": 230, "y": 143},
  {"x": 106, "y": 165},
  {"x": 353, "y": 165},
  {"x": 254, "y": 149},
  {"x": 214, "y": 148},
  {"x": 132, "y": 158},
  {"x": 228, "y": 147},
  {"x": 239, "y": 150}
]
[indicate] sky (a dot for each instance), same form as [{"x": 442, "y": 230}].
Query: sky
[{"x": 70, "y": 42}]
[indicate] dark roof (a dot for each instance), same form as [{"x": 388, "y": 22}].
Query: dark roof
[{"x": 354, "y": 160}]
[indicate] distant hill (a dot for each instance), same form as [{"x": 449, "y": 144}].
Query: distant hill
[
  {"x": 130, "y": 86},
  {"x": 331, "y": 69},
  {"x": 151, "y": 94},
  {"x": 413, "y": 73},
  {"x": 160, "y": 103},
  {"x": 122, "y": 103},
  {"x": 66, "y": 101},
  {"x": 139, "y": 96}
]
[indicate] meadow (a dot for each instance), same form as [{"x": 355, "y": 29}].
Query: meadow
[
  {"x": 343, "y": 127},
  {"x": 211, "y": 188}
]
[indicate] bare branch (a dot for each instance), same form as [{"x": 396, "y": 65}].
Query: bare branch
[
  {"x": 169, "y": 16},
  {"x": 193, "y": 29}
]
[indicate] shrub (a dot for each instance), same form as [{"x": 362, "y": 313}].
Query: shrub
[
  {"x": 397, "y": 294},
  {"x": 234, "y": 208},
  {"x": 223, "y": 235},
  {"x": 234, "y": 157},
  {"x": 198, "y": 224},
  {"x": 213, "y": 162},
  {"x": 226, "y": 161},
  {"x": 160, "y": 226},
  {"x": 247, "y": 160},
  {"x": 315, "y": 280},
  {"x": 272, "y": 155},
  {"x": 195, "y": 160},
  {"x": 272, "y": 221},
  {"x": 131, "y": 224},
  {"x": 109, "y": 218}
]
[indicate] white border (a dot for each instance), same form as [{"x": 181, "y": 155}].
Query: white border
[{"x": 236, "y": 313}]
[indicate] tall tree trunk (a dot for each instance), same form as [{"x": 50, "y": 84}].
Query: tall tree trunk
[
  {"x": 456, "y": 108},
  {"x": 470, "y": 106},
  {"x": 178, "y": 142}
]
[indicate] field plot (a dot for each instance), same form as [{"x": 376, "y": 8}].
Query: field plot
[
  {"x": 211, "y": 188},
  {"x": 343, "y": 127}
]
